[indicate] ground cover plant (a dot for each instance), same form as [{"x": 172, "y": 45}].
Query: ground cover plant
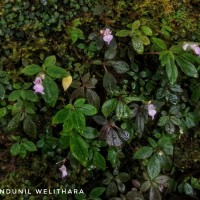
[{"x": 100, "y": 98}]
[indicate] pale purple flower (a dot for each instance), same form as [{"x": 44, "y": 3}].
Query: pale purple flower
[
  {"x": 197, "y": 50},
  {"x": 63, "y": 169},
  {"x": 107, "y": 35},
  {"x": 151, "y": 110},
  {"x": 38, "y": 87},
  {"x": 192, "y": 46}
]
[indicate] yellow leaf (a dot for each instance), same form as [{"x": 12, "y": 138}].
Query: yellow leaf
[{"x": 66, "y": 82}]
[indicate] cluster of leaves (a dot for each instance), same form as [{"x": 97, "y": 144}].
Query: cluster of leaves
[{"x": 99, "y": 126}]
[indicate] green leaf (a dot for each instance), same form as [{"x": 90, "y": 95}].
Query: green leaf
[
  {"x": 99, "y": 161},
  {"x": 29, "y": 126},
  {"x": 165, "y": 144},
  {"x": 163, "y": 120},
  {"x": 145, "y": 40},
  {"x": 29, "y": 95},
  {"x": 90, "y": 133},
  {"x": 171, "y": 70},
  {"x": 145, "y": 186},
  {"x": 111, "y": 190},
  {"x": 138, "y": 45},
  {"x": 98, "y": 10},
  {"x": 2, "y": 91},
  {"x": 143, "y": 153},
  {"x": 93, "y": 98},
  {"x": 136, "y": 25},
  {"x": 123, "y": 177},
  {"x": 123, "y": 33},
  {"x": 29, "y": 146},
  {"x": 79, "y": 148},
  {"x": 3, "y": 112},
  {"x": 109, "y": 82},
  {"x": 187, "y": 67},
  {"x": 79, "y": 102},
  {"x": 50, "y": 61},
  {"x": 121, "y": 67},
  {"x": 88, "y": 109},
  {"x": 109, "y": 106},
  {"x": 160, "y": 43},
  {"x": 61, "y": 116},
  {"x": 15, "y": 149},
  {"x": 110, "y": 53},
  {"x": 153, "y": 167},
  {"x": 113, "y": 157},
  {"x": 188, "y": 189},
  {"x": 154, "y": 194},
  {"x": 78, "y": 120},
  {"x": 146, "y": 30},
  {"x": 57, "y": 72},
  {"x": 122, "y": 110},
  {"x": 50, "y": 90},
  {"x": 96, "y": 192},
  {"x": 31, "y": 70},
  {"x": 14, "y": 122},
  {"x": 14, "y": 95},
  {"x": 175, "y": 120}
]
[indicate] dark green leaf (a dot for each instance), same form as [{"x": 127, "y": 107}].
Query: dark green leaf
[
  {"x": 50, "y": 90},
  {"x": 78, "y": 120},
  {"x": 123, "y": 33},
  {"x": 93, "y": 98},
  {"x": 29, "y": 146},
  {"x": 14, "y": 122},
  {"x": 50, "y": 61},
  {"x": 154, "y": 194},
  {"x": 57, "y": 72},
  {"x": 165, "y": 144},
  {"x": 121, "y": 67},
  {"x": 153, "y": 167},
  {"x": 187, "y": 67},
  {"x": 29, "y": 126},
  {"x": 98, "y": 10},
  {"x": 31, "y": 70},
  {"x": 61, "y": 116},
  {"x": 109, "y": 82},
  {"x": 143, "y": 153},
  {"x": 111, "y": 190},
  {"x": 87, "y": 109},
  {"x": 163, "y": 120},
  {"x": 2, "y": 91},
  {"x": 79, "y": 148},
  {"x": 90, "y": 133},
  {"x": 123, "y": 177},
  {"x": 122, "y": 110},
  {"x": 160, "y": 43},
  {"x": 99, "y": 161},
  {"x": 110, "y": 53},
  {"x": 3, "y": 112},
  {"x": 109, "y": 106},
  {"x": 96, "y": 192},
  {"x": 175, "y": 120},
  {"x": 15, "y": 149},
  {"x": 138, "y": 45}
]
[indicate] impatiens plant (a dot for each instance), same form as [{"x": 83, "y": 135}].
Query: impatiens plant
[{"x": 114, "y": 96}]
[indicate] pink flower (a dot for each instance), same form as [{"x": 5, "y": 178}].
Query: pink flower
[
  {"x": 194, "y": 47},
  {"x": 63, "y": 169},
  {"x": 197, "y": 50},
  {"x": 151, "y": 110},
  {"x": 107, "y": 36},
  {"x": 38, "y": 87}
]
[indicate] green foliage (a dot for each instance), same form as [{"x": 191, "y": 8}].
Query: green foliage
[{"x": 127, "y": 125}]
